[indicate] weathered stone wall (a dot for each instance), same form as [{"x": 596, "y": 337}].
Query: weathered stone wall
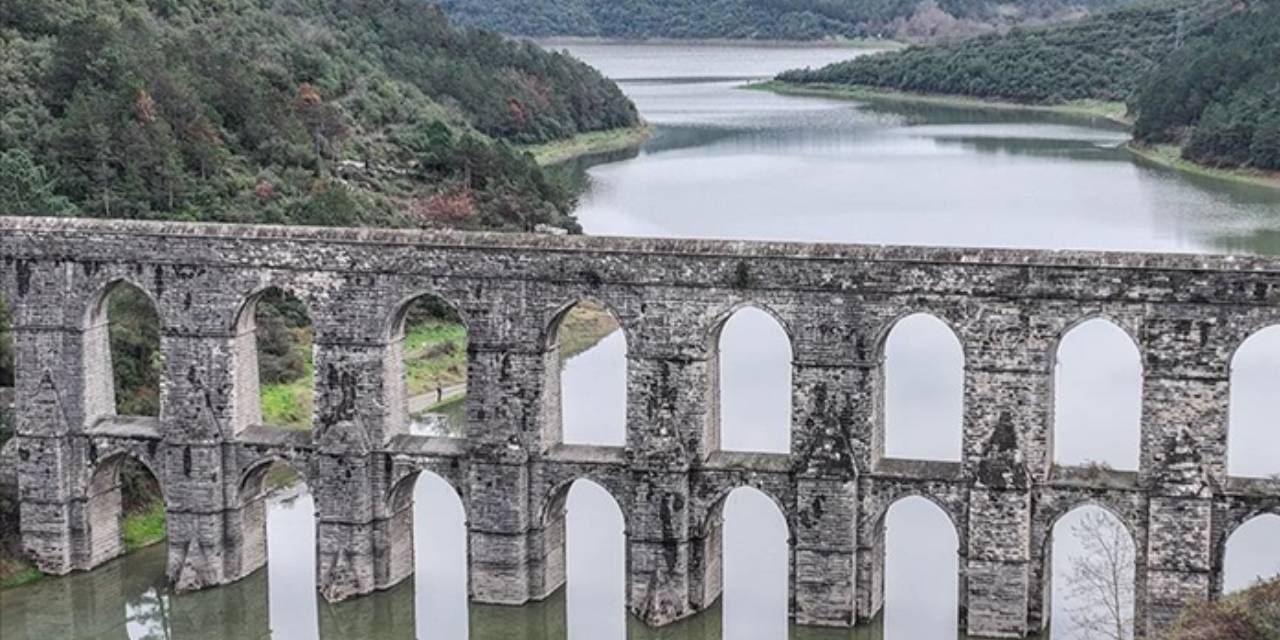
[{"x": 837, "y": 304}]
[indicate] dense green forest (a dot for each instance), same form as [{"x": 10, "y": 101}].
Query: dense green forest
[
  {"x": 1219, "y": 96},
  {"x": 1202, "y": 74},
  {"x": 293, "y": 111},
  {"x": 760, "y": 19},
  {"x": 1105, "y": 57}
]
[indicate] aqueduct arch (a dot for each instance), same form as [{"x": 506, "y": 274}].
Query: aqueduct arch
[{"x": 1006, "y": 307}]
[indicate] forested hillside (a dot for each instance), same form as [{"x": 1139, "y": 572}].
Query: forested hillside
[
  {"x": 1201, "y": 74},
  {"x": 1219, "y": 96},
  {"x": 762, "y": 19},
  {"x": 1104, "y": 57},
  {"x": 376, "y": 112}
]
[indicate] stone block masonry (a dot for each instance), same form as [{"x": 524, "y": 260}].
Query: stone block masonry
[{"x": 837, "y": 303}]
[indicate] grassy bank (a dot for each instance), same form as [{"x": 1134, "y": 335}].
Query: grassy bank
[
  {"x": 1170, "y": 156},
  {"x": 144, "y": 527},
  {"x": 1114, "y": 112},
  {"x": 584, "y": 144}
]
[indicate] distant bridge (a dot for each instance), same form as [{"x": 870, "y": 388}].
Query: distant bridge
[{"x": 1009, "y": 309}]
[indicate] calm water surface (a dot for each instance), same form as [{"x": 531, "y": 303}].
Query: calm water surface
[{"x": 742, "y": 164}]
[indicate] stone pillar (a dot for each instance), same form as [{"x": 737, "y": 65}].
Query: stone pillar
[
  {"x": 824, "y": 547},
  {"x": 1184, "y": 414},
  {"x": 1006, "y": 423},
  {"x": 504, "y": 424},
  {"x": 197, "y": 420},
  {"x": 48, "y": 411},
  {"x": 670, "y": 407}
]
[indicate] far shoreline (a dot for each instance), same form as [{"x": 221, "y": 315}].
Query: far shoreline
[
  {"x": 828, "y": 43},
  {"x": 1115, "y": 113},
  {"x": 589, "y": 143}
]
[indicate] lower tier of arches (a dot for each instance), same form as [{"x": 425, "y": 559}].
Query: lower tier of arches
[{"x": 838, "y": 531}]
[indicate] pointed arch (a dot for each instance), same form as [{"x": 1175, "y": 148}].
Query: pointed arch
[
  {"x": 916, "y": 580},
  {"x": 425, "y": 368},
  {"x": 586, "y": 366},
  {"x": 122, "y": 339},
  {"x": 923, "y": 403},
  {"x": 586, "y": 549},
  {"x": 1252, "y": 552},
  {"x": 751, "y": 378},
  {"x": 119, "y": 483},
  {"x": 273, "y": 354},
  {"x": 1097, "y": 397},
  {"x": 1252, "y": 432},
  {"x": 1090, "y": 539},
  {"x": 745, "y": 540},
  {"x": 8, "y": 351},
  {"x": 426, "y": 535}
]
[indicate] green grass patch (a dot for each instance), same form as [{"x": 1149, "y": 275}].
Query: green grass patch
[
  {"x": 291, "y": 404},
  {"x": 14, "y": 573},
  {"x": 1170, "y": 156},
  {"x": 435, "y": 355},
  {"x": 588, "y": 143},
  {"x": 145, "y": 527}
]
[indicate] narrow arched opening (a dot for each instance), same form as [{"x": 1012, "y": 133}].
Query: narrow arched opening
[
  {"x": 918, "y": 553},
  {"x": 123, "y": 355},
  {"x": 125, "y": 508},
  {"x": 588, "y": 355},
  {"x": 923, "y": 390},
  {"x": 438, "y": 546},
  {"x": 8, "y": 378},
  {"x": 1097, "y": 397},
  {"x": 1090, "y": 586},
  {"x": 278, "y": 527},
  {"x": 428, "y": 367},
  {"x": 753, "y": 384},
  {"x": 1252, "y": 553},
  {"x": 1252, "y": 436},
  {"x": 756, "y": 555},
  {"x": 274, "y": 355},
  {"x": 593, "y": 530}
]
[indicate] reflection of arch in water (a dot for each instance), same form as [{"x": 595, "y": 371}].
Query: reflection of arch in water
[
  {"x": 942, "y": 520},
  {"x": 104, "y": 509},
  {"x": 709, "y": 550},
  {"x": 904, "y": 403},
  {"x": 1083, "y": 416},
  {"x": 246, "y": 387},
  {"x": 250, "y": 518},
  {"x": 399, "y": 523},
  {"x": 1255, "y": 367},
  {"x": 100, "y": 393},
  {"x": 1114, "y": 514},
  {"x": 607, "y": 427},
  {"x": 735, "y": 405},
  {"x": 556, "y": 535},
  {"x": 396, "y": 395}
]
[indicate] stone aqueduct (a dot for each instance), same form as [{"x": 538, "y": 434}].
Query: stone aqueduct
[{"x": 1187, "y": 313}]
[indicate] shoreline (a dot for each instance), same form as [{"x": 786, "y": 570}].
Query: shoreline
[
  {"x": 827, "y": 43},
  {"x": 590, "y": 143},
  {"x": 1112, "y": 112},
  {"x": 1170, "y": 157},
  {"x": 1165, "y": 156}
]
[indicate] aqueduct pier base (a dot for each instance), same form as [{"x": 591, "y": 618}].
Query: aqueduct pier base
[{"x": 208, "y": 450}]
